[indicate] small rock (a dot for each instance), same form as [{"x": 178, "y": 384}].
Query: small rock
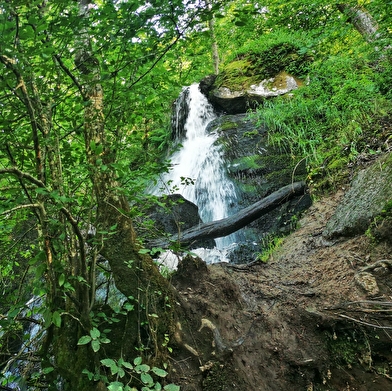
[{"x": 368, "y": 283}]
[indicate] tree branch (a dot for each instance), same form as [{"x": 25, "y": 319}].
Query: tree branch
[
  {"x": 36, "y": 206},
  {"x": 70, "y": 74},
  {"x": 22, "y": 175},
  {"x": 10, "y": 64}
]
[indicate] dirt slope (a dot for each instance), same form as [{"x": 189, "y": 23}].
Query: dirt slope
[{"x": 299, "y": 322}]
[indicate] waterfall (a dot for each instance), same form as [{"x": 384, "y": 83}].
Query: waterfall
[{"x": 197, "y": 168}]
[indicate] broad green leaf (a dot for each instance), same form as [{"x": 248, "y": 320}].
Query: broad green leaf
[
  {"x": 96, "y": 345},
  {"x": 146, "y": 378},
  {"x": 116, "y": 386},
  {"x": 142, "y": 368},
  {"x": 95, "y": 333},
  {"x": 56, "y": 318},
  {"x": 137, "y": 361},
  {"x": 84, "y": 340},
  {"x": 108, "y": 362},
  {"x": 159, "y": 372},
  {"x": 127, "y": 365}
]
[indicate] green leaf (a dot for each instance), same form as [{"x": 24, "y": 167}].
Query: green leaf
[
  {"x": 129, "y": 307},
  {"x": 56, "y": 319},
  {"x": 89, "y": 374},
  {"x": 146, "y": 378},
  {"x": 96, "y": 345},
  {"x": 137, "y": 361},
  {"x": 108, "y": 362},
  {"x": 116, "y": 386},
  {"x": 127, "y": 365},
  {"x": 61, "y": 279},
  {"x": 84, "y": 340},
  {"x": 171, "y": 387},
  {"x": 47, "y": 370},
  {"x": 40, "y": 270},
  {"x": 159, "y": 372},
  {"x": 95, "y": 333},
  {"x": 142, "y": 368}
]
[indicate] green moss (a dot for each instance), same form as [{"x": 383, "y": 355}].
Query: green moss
[
  {"x": 347, "y": 347},
  {"x": 255, "y": 66},
  {"x": 247, "y": 163},
  {"x": 381, "y": 227},
  {"x": 228, "y": 125},
  {"x": 237, "y": 75}
]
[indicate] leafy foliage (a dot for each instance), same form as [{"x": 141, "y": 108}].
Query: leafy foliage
[
  {"x": 112, "y": 71},
  {"x": 85, "y": 95}
]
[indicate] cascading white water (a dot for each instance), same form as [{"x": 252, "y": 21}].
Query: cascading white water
[{"x": 200, "y": 159}]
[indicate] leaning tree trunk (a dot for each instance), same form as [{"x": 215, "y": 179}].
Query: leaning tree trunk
[
  {"x": 362, "y": 21},
  {"x": 135, "y": 275},
  {"x": 228, "y": 225}
]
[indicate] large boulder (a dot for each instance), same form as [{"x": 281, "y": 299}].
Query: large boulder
[
  {"x": 234, "y": 100},
  {"x": 173, "y": 214},
  {"x": 252, "y": 77},
  {"x": 368, "y": 195}
]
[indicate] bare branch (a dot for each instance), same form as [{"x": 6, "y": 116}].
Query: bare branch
[
  {"x": 35, "y": 206},
  {"x": 365, "y": 323},
  {"x": 70, "y": 74},
  {"x": 22, "y": 175}
]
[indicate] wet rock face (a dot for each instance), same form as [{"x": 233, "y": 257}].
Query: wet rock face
[
  {"x": 364, "y": 201},
  {"x": 257, "y": 170}
]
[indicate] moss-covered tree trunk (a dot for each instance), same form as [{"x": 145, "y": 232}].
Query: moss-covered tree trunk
[{"x": 135, "y": 274}]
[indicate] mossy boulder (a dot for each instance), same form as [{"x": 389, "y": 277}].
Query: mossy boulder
[
  {"x": 252, "y": 77},
  {"x": 370, "y": 193}
]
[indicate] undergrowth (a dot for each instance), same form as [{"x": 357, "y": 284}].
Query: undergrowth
[{"x": 335, "y": 117}]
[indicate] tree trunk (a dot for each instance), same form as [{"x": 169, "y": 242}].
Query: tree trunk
[
  {"x": 362, "y": 21},
  {"x": 135, "y": 275},
  {"x": 214, "y": 42},
  {"x": 224, "y": 227}
]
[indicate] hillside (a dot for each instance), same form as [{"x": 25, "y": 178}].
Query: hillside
[{"x": 301, "y": 321}]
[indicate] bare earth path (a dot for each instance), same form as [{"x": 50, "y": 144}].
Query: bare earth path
[{"x": 299, "y": 322}]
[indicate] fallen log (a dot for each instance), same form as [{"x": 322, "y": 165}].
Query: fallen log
[{"x": 228, "y": 225}]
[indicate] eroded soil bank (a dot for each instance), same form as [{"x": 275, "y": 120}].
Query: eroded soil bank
[{"x": 302, "y": 321}]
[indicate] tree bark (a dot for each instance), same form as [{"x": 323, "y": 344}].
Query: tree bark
[
  {"x": 135, "y": 275},
  {"x": 214, "y": 42},
  {"x": 362, "y": 21},
  {"x": 224, "y": 227}
]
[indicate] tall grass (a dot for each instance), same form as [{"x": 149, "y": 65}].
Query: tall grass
[{"x": 325, "y": 119}]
